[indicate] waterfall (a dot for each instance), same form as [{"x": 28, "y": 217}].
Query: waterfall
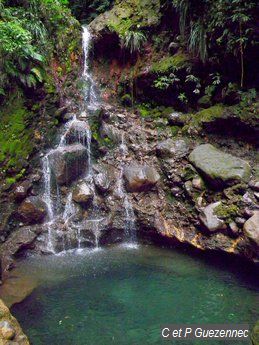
[
  {"x": 75, "y": 132},
  {"x": 90, "y": 90},
  {"x": 64, "y": 229}
]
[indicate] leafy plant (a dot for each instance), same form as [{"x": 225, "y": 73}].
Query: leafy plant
[{"x": 133, "y": 40}]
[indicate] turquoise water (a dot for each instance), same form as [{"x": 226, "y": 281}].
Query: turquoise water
[{"x": 123, "y": 296}]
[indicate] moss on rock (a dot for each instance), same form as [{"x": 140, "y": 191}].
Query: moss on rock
[{"x": 168, "y": 63}]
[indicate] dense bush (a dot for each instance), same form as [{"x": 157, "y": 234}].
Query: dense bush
[{"x": 30, "y": 31}]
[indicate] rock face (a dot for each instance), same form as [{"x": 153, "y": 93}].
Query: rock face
[
  {"x": 218, "y": 168},
  {"x": 140, "y": 178},
  {"x": 210, "y": 219},
  {"x": 33, "y": 210},
  {"x": 173, "y": 148},
  {"x": 21, "y": 239},
  {"x": 251, "y": 228},
  {"x": 83, "y": 194},
  {"x": 10, "y": 331},
  {"x": 147, "y": 10},
  {"x": 69, "y": 163}
]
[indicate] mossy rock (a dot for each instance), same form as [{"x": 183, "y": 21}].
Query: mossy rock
[
  {"x": 220, "y": 169},
  {"x": 15, "y": 135},
  {"x": 127, "y": 15},
  {"x": 168, "y": 63},
  {"x": 227, "y": 212}
]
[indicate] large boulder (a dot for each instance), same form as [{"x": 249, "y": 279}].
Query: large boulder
[
  {"x": 78, "y": 132},
  {"x": 68, "y": 163},
  {"x": 33, "y": 210},
  {"x": 173, "y": 148},
  {"x": 209, "y": 218},
  {"x": 140, "y": 178},
  {"x": 145, "y": 12},
  {"x": 251, "y": 228},
  {"x": 83, "y": 193},
  {"x": 220, "y": 169}
]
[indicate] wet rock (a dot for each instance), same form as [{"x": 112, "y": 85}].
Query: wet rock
[
  {"x": 251, "y": 228},
  {"x": 83, "y": 194},
  {"x": 68, "y": 163},
  {"x": 21, "y": 190},
  {"x": 140, "y": 178},
  {"x": 33, "y": 210},
  {"x": 7, "y": 330},
  {"x": 19, "y": 240},
  {"x": 173, "y": 148},
  {"x": 77, "y": 133},
  {"x": 210, "y": 219},
  {"x": 102, "y": 182},
  {"x": 218, "y": 168}
]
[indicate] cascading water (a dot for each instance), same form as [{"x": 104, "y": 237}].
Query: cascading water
[
  {"x": 63, "y": 225},
  {"x": 75, "y": 132},
  {"x": 90, "y": 92}
]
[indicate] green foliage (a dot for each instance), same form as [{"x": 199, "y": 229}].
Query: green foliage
[
  {"x": 170, "y": 63},
  {"x": 87, "y": 10},
  {"x": 15, "y": 135},
  {"x": 133, "y": 40},
  {"x": 30, "y": 33},
  {"x": 214, "y": 28}
]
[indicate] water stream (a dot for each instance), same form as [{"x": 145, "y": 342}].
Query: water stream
[{"x": 77, "y": 131}]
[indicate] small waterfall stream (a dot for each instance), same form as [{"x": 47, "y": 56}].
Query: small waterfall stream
[{"x": 61, "y": 226}]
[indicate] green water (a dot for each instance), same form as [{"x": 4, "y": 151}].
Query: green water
[{"x": 122, "y": 296}]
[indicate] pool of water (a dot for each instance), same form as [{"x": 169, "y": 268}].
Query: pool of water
[{"x": 123, "y": 296}]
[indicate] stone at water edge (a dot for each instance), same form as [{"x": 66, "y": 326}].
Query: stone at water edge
[
  {"x": 7, "y": 331},
  {"x": 173, "y": 148},
  {"x": 33, "y": 210},
  {"x": 10, "y": 330},
  {"x": 210, "y": 219},
  {"x": 220, "y": 169},
  {"x": 68, "y": 163},
  {"x": 251, "y": 228},
  {"x": 140, "y": 178},
  {"x": 83, "y": 194}
]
